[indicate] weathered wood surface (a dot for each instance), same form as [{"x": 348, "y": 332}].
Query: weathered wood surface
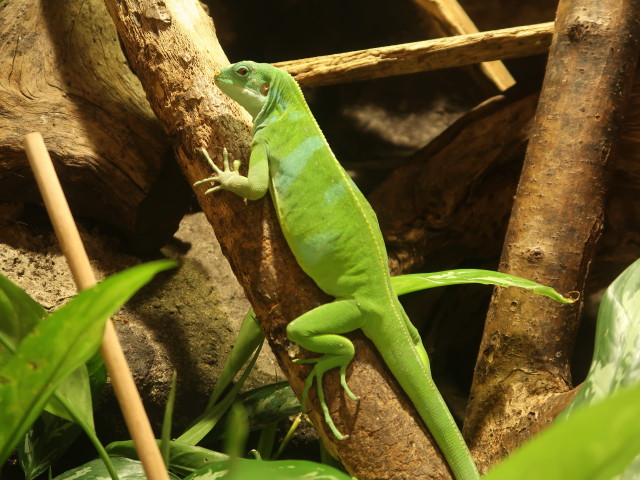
[{"x": 63, "y": 73}]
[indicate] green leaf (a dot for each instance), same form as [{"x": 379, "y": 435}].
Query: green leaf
[
  {"x": 165, "y": 437},
  {"x": 420, "y": 281},
  {"x": 95, "y": 470},
  {"x": 72, "y": 398},
  {"x": 50, "y": 436},
  {"x": 616, "y": 362},
  {"x": 60, "y": 344},
  {"x": 47, "y": 439},
  {"x": 19, "y": 314},
  {"x": 245, "y": 469},
  {"x": 250, "y": 337},
  {"x": 183, "y": 459},
  {"x": 265, "y": 405},
  {"x": 237, "y": 432},
  {"x": 595, "y": 443}
]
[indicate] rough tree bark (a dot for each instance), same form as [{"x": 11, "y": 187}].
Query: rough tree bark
[
  {"x": 522, "y": 375},
  {"x": 172, "y": 47}
]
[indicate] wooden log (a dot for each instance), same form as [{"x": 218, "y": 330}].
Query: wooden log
[
  {"x": 62, "y": 71},
  {"x": 94, "y": 117},
  {"x": 556, "y": 221},
  {"x": 456, "y": 193}
]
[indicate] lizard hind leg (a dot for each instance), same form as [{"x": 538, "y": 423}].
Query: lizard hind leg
[{"x": 319, "y": 331}]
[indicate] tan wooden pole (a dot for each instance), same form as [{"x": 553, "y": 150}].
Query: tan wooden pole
[{"x": 114, "y": 359}]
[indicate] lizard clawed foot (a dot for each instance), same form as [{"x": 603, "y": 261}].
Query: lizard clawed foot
[
  {"x": 322, "y": 365},
  {"x": 223, "y": 176}
]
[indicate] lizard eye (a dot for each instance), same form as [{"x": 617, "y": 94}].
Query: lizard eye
[
  {"x": 264, "y": 89},
  {"x": 242, "y": 71}
]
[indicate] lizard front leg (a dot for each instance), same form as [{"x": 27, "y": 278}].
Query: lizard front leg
[{"x": 254, "y": 186}]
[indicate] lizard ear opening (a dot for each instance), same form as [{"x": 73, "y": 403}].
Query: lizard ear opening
[{"x": 264, "y": 89}]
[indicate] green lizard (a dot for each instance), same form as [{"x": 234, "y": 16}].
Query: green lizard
[{"x": 334, "y": 235}]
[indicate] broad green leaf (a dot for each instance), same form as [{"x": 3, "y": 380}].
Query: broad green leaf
[
  {"x": 47, "y": 439},
  {"x": 72, "y": 403},
  {"x": 616, "y": 359},
  {"x": 595, "y": 443},
  {"x": 420, "y": 281},
  {"x": 19, "y": 314},
  {"x": 183, "y": 459},
  {"x": 61, "y": 343},
  {"x": 72, "y": 398},
  {"x": 244, "y": 469},
  {"x": 127, "y": 470},
  {"x": 616, "y": 362}
]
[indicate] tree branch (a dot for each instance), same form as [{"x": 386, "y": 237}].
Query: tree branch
[
  {"x": 172, "y": 47},
  {"x": 453, "y": 20},
  {"x": 557, "y": 218},
  {"x": 421, "y": 56}
]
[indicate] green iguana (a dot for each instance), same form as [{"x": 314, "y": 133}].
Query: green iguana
[{"x": 334, "y": 235}]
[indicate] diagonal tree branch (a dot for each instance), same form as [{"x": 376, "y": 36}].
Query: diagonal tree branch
[{"x": 172, "y": 47}]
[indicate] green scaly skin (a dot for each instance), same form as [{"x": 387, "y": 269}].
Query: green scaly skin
[{"x": 334, "y": 235}]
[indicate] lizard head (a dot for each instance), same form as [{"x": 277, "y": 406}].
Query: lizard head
[{"x": 247, "y": 83}]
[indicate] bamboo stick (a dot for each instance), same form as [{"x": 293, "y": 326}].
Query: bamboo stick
[{"x": 114, "y": 359}]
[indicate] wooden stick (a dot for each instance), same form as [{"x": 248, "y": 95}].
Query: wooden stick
[
  {"x": 114, "y": 359},
  {"x": 453, "y": 20},
  {"x": 415, "y": 57}
]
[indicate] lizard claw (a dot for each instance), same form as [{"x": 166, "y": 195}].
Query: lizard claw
[{"x": 323, "y": 364}]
